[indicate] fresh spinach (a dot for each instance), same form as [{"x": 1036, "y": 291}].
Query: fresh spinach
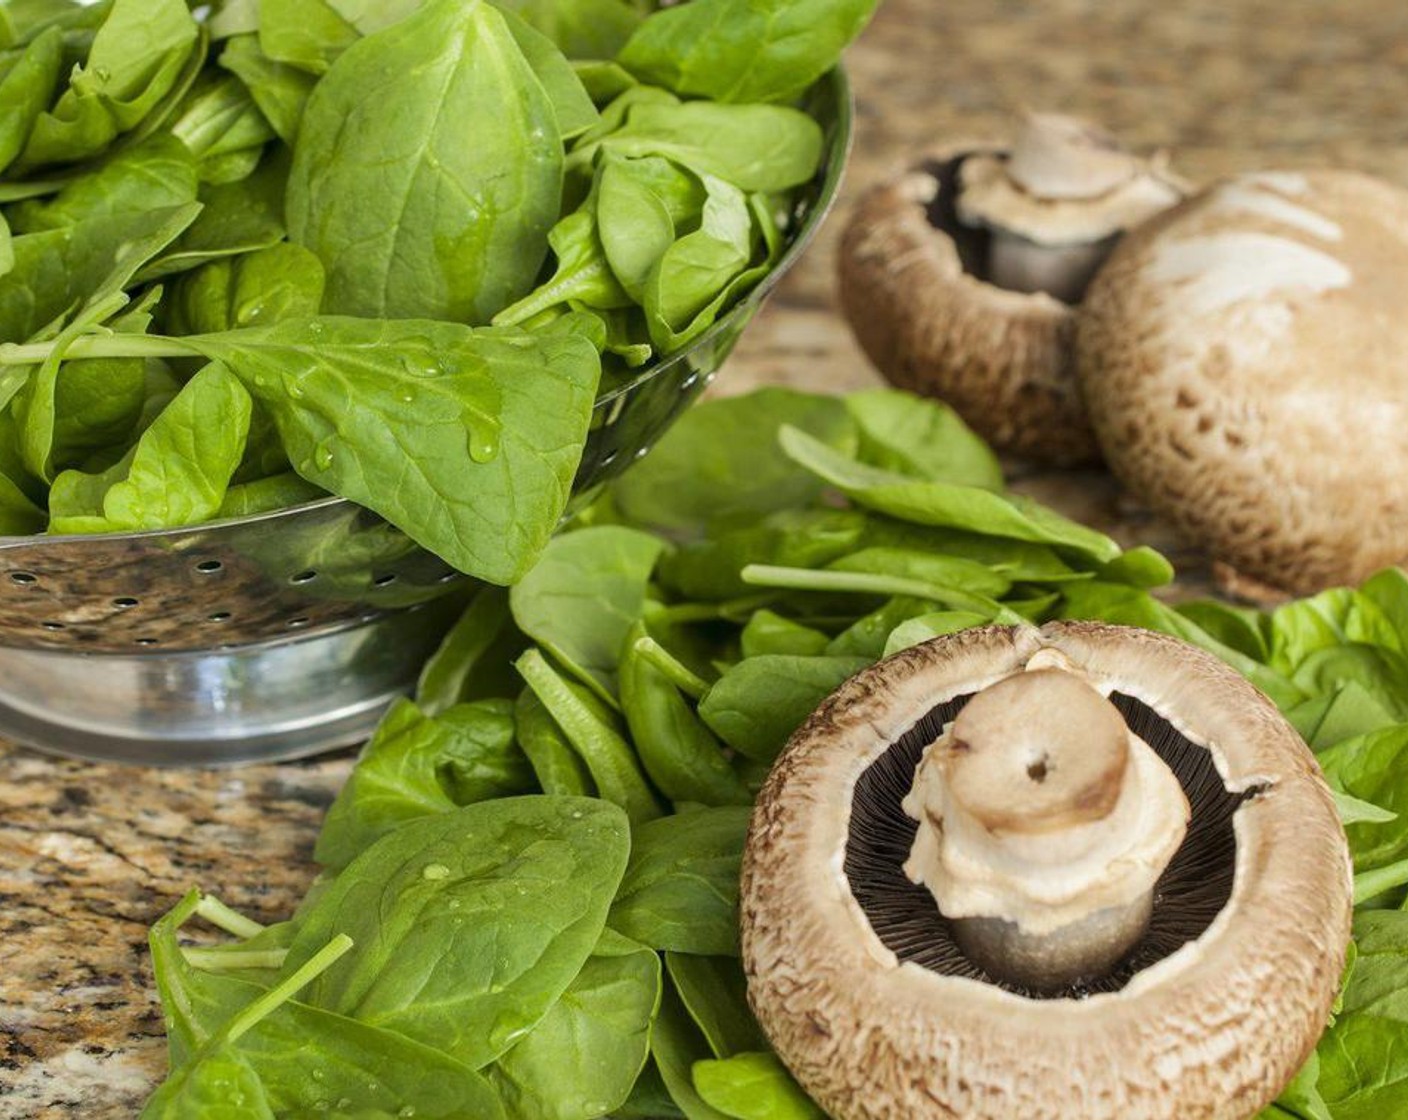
[
  {"x": 409, "y": 220},
  {"x": 753, "y": 1087},
  {"x": 680, "y": 891},
  {"x": 744, "y": 50},
  {"x": 468, "y": 925}
]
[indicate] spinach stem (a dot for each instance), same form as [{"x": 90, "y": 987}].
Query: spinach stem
[
  {"x": 98, "y": 346},
  {"x": 223, "y": 960},
  {"x": 281, "y": 993},
  {"x": 678, "y": 673},
  {"x": 875, "y": 583},
  {"x": 231, "y": 921},
  {"x": 1371, "y": 884}
]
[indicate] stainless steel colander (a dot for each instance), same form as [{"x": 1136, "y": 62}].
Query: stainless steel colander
[{"x": 287, "y": 633}]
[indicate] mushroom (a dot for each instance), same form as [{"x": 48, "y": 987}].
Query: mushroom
[
  {"x": 1023, "y": 977},
  {"x": 1242, "y": 359},
  {"x": 960, "y": 276}
]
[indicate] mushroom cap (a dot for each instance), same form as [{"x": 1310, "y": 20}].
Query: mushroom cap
[
  {"x": 1211, "y": 1032},
  {"x": 1242, "y": 360},
  {"x": 1003, "y": 360}
]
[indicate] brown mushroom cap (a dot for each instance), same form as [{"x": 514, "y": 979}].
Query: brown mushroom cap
[
  {"x": 1243, "y": 361},
  {"x": 1214, "y": 1030},
  {"x": 910, "y": 286}
]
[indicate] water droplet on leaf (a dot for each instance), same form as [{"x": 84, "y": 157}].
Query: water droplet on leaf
[
  {"x": 435, "y": 871},
  {"x": 322, "y": 456}
]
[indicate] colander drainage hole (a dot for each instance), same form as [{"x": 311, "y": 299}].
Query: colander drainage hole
[
  {"x": 303, "y": 577},
  {"x": 147, "y": 642},
  {"x": 206, "y": 567},
  {"x": 220, "y": 616},
  {"x": 297, "y": 623},
  {"x": 53, "y": 626},
  {"x": 384, "y": 581},
  {"x": 125, "y": 603},
  {"x": 23, "y": 578}
]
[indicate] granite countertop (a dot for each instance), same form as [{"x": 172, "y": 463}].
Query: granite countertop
[{"x": 90, "y": 854}]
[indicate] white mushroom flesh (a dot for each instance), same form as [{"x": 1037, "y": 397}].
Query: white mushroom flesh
[{"x": 1064, "y": 821}]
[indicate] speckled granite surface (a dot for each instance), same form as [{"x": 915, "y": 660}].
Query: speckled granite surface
[{"x": 89, "y": 855}]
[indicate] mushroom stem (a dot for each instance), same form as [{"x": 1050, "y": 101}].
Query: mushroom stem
[
  {"x": 1044, "y": 825},
  {"x": 1056, "y": 204}
]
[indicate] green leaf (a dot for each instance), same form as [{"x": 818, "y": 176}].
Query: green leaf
[
  {"x": 25, "y": 89},
  {"x": 584, "y": 595},
  {"x": 913, "y": 435},
  {"x": 408, "y": 218},
  {"x": 926, "y": 626},
  {"x": 184, "y": 461},
  {"x": 591, "y": 730},
  {"x": 418, "y": 765},
  {"x": 281, "y": 91},
  {"x": 469, "y": 925},
  {"x": 681, "y": 755},
  {"x": 744, "y": 50},
  {"x": 1373, "y": 768},
  {"x": 753, "y": 1087},
  {"x": 581, "y": 28},
  {"x": 754, "y": 147},
  {"x": 721, "y": 460},
  {"x": 583, "y": 1057},
  {"x": 714, "y": 991},
  {"x": 482, "y": 641},
  {"x": 497, "y": 418},
  {"x": 758, "y": 703},
  {"x": 18, "y": 515},
  {"x": 676, "y": 1045},
  {"x": 770, "y": 633},
  {"x": 559, "y": 768},
  {"x": 254, "y": 289},
  {"x": 680, "y": 891},
  {"x": 308, "y": 1058},
  {"x": 137, "y": 57},
  {"x": 943, "y": 504}
]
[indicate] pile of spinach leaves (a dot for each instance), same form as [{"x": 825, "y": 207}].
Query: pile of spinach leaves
[
  {"x": 643, "y": 676},
  {"x": 262, "y": 250}
]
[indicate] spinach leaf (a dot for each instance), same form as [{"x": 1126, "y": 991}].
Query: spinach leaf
[
  {"x": 912, "y": 435},
  {"x": 580, "y": 28},
  {"x": 584, "y": 595},
  {"x": 945, "y": 571},
  {"x": 25, "y": 88},
  {"x": 184, "y": 461},
  {"x": 498, "y": 418},
  {"x": 753, "y": 1086},
  {"x": 676, "y": 1045},
  {"x": 686, "y": 286},
  {"x": 926, "y": 626},
  {"x": 1371, "y": 768},
  {"x": 482, "y": 640},
  {"x": 18, "y": 515},
  {"x": 1130, "y": 606},
  {"x": 559, "y": 768},
  {"x": 409, "y": 220},
  {"x": 744, "y": 50},
  {"x": 138, "y": 56},
  {"x": 721, "y": 460},
  {"x": 591, "y": 730},
  {"x": 681, "y": 755},
  {"x": 680, "y": 891},
  {"x": 754, "y": 147},
  {"x": 643, "y": 205},
  {"x": 712, "y": 569},
  {"x": 253, "y": 289},
  {"x": 870, "y": 634},
  {"x": 943, "y": 504},
  {"x": 586, "y": 1053},
  {"x": 308, "y": 1060},
  {"x": 714, "y": 991},
  {"x": 281, "y": 91},
  {"x": 265, "y": 495},
  {"x": 469, "y": 925},
  {"x": 758, "y": 703},
  {"x": 768, "y": 632},
  {"x": 417, "y": 765}
]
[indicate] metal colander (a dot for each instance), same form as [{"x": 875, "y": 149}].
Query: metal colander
[{"x": 287, "y": 633}]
